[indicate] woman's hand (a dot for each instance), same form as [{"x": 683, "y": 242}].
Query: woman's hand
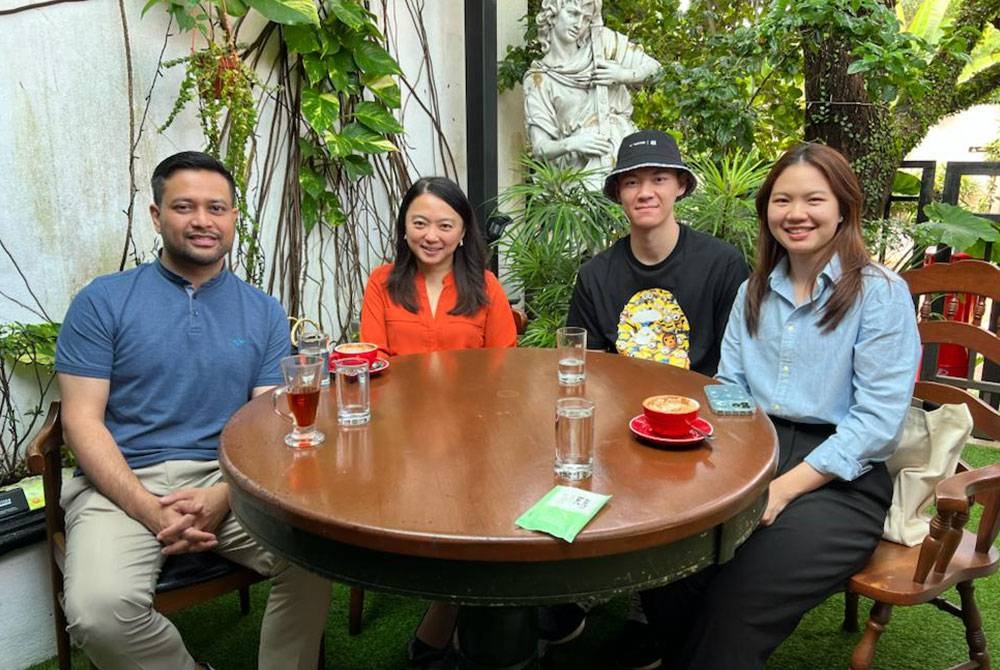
[{"x": 789, "y": 486}]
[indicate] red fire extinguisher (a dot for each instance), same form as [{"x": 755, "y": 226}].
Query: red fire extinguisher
[{"x": 953, "y": 360}]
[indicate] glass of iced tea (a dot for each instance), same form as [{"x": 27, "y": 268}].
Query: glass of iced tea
[{"x": 303, "y": 375}]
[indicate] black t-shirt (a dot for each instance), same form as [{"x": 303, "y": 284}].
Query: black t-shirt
[{"x": 674, "y": 312}]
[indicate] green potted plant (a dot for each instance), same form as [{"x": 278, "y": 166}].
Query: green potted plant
[{"x": 557, "y": 224}]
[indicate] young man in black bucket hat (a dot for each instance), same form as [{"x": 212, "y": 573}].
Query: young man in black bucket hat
[{"x": 662, "y": 293}]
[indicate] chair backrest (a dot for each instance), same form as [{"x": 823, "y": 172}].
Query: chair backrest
[
  {"x": 980, "y": 280},
  {"x": 520, "y": 320}
]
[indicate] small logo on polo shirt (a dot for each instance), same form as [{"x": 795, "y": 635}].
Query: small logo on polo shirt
[{"x": 239, "y": 342}]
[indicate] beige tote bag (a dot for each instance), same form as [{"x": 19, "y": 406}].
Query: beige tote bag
[{"x": 928, "y": 451}]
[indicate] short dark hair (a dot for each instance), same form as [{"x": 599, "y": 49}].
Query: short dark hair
[
  {"x": 188, "y": 160},
  {"x": 469, "y": 264}
]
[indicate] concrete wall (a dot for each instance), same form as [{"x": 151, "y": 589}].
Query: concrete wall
[{"x": 27, "y": 635}]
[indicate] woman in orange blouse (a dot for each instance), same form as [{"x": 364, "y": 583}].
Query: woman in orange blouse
[{"x": 437, "y": 295}]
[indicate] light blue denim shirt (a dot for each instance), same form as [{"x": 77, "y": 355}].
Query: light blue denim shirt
[{"x": 858, "y": 377}]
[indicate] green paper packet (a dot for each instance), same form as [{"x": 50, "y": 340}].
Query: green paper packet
[{"x": 563, "y": 512}]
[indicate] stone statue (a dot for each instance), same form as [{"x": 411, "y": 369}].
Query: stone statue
[{"x": 577, "y": 105}]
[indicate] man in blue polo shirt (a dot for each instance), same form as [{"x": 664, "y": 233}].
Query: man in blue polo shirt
[{"x": 151, "y": 363}]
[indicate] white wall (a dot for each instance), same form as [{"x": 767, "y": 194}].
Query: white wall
[
  {"x": 960, "y": 137},
  {"x": 27, "y": 635}
]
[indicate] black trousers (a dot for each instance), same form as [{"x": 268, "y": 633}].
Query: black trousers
[{"x": 733, "y": 616}]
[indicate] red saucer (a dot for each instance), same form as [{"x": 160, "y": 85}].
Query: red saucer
[
  {"x": 639, "y": 426},
  {"x": 378, "y": 366}
]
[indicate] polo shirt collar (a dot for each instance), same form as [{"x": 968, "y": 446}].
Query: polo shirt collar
[{"x": 175, "y": 278}]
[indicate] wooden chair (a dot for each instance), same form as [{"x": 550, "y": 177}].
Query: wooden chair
[
  {"x": 356, "y": 601},
  {"x": 185, "y": 580},
  {"x": 950, "y": 555}
]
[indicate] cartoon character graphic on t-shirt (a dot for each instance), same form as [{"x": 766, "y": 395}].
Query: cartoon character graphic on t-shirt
[{"x": 653, "y": 326}]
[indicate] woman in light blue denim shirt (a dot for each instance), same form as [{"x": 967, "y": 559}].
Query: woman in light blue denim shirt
[{"x": 826, "y": 342}]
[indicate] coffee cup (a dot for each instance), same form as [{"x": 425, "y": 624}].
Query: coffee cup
[
  {"x": 366, "y": 351},
  {"x": 670, "y": 415}
]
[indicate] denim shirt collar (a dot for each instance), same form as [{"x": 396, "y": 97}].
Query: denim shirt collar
[{"x": 781, "y": 283}]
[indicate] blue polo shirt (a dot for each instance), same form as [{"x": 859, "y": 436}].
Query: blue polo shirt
[{"x": 180, "y": 361}]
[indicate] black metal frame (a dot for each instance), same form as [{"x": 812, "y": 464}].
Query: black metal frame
[
  {"x": 481, "y": 105},
  {"x": 928, "y": 171}
]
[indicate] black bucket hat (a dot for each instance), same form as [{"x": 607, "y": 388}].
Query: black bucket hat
[{"x": 648, "y": 148}]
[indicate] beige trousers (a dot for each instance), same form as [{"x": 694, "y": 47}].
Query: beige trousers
[{"x": 113, "y": 563}]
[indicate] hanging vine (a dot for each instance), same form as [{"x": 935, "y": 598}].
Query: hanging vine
[{"x": 332, "y": 94}]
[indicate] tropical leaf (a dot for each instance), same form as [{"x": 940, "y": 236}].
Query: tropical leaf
[
  {"x": 288, "y": 12},
  {"x": 338, "y": 145},
  {"x": 340, "y": 67},
  {"x": 357, "y": 167},
  {"x": 905, "y": 183},
  {"x": 375, "y": 61},
  {"x": 377, "y": 118},
  {"x": 301, "y": 39},
  {"x": 315, "y": 68},
  {"x": 955, "y": 227},
  {"x": 321, "y": 110},
  {"x": 365, "y": 141},
  {"x": 236, "y": 7},
  {"x": 311, "y": 181},
  {"x": 385, "y": 89},
  {"x": 928, "y": 21},
  {"x": 349, "y": 13}
]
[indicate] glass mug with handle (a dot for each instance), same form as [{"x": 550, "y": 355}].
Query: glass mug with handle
[{"x": 303, "y": 375}]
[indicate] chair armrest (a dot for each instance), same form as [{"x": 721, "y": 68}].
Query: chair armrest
[
  {"x": 953, "y": 497},
  {"x": 48, "y": 440},
  {"x": 953, "y": 493},
  {"x": 45, "y": 459}
]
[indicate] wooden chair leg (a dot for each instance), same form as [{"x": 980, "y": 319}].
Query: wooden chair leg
[
  {"x": 63, "y": 647},
  {"x": 245, "y": 600},
  {"x": 973, "y": 620},
  {"x": 850, "y": 624},
  {"x": 864, "y": 653},
  {"x": 355, "y": 610}
]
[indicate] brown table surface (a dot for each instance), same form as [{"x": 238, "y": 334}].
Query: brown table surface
[{"x": 461, "y": 443}]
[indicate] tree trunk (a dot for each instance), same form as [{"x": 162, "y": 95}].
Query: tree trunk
[{"x": 839, "y": 114}]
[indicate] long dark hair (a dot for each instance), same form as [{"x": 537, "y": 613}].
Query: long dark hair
[
  {"x": 469, "y": 261},
  {"x": 847, "y": 242}
]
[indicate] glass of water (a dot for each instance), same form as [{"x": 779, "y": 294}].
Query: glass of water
[
  {"x": 353, "y": 395},
  {"x": 574, "y": 438},
  {"x": 317, "y": 343},
  {"x": 571, "y": 343}
]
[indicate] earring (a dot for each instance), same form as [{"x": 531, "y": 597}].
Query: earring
[
  {"x": 840, "y": 220},
  {"x": 461, "y": 242}
]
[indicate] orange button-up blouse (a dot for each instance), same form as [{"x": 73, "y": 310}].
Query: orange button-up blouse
[{"x": 398, "y": 331}]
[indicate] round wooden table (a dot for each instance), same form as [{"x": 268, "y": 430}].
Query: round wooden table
[{"x": 422, "y": 501}]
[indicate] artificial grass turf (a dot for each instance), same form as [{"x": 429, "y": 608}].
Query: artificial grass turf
[{"x": 916, "y": 638}]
